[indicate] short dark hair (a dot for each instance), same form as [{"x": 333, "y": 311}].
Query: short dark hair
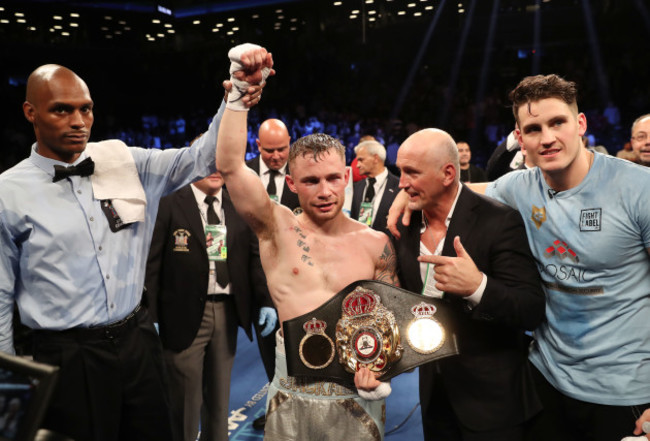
[
  {"x": 538, "y": 87},
  {"x": 316, "y": 145}
]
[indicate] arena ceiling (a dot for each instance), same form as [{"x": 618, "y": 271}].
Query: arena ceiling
[{"x": 179, "y": 23}]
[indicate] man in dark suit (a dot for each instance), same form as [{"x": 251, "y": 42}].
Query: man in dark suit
[
  {"x": 472, "y": 252},
  {"x": 374, "y": 195},
  {"x": 273, "y": 143},
  {"x": 204, "y": 279}
]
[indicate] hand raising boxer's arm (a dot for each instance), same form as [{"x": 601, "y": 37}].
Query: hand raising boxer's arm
[{"x": 250, "y": 65}]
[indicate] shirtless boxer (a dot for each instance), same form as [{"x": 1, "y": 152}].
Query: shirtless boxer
[{"x": 307, "y": 259}]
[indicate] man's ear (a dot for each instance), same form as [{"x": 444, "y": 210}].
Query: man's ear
[
  {"x": 28, "y": 110},
  {"x": 290, "y": 183},
  {"x": 259, "y": 145},
  {"x": 582, "y": 124},
  {"x": 450, "y": 173},
  {"x": 519, "y": 137}
]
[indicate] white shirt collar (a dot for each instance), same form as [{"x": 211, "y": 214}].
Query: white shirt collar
[
  {"x": 449, "y": 215},
  {"x": 264, "y": 168},
  {"x": 200, "y": 196},
  {"x": 381, "y": 177},
  {"x": 453, "y": 206}
]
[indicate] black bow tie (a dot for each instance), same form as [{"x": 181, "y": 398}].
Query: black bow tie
[{"x": 84, "y": 168}]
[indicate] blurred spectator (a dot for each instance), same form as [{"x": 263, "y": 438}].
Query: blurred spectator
[
  {"x": 468, "y": 172},
  {"x": 641, "y": 139},
  {"x": 627, "y": 153}
]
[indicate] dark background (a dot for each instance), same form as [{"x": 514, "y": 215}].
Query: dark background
[{"x": 346, "y": 76}]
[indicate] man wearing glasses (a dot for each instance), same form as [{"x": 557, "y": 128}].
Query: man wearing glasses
[{"x": 640, "y": 139}]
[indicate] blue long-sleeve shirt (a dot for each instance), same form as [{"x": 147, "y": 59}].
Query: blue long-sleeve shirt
[{"x": 59, "y": 260}]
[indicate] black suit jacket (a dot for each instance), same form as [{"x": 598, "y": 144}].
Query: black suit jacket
[
  {"x": 488, "y": 384},
  {"x": 177, "y": 281},
  {"x": 289, "y": 198},
  {"x": 390, "y": 191}
]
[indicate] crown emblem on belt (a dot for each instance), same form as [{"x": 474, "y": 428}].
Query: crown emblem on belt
[
  {"x": 360, "y": 302},
  {"x": 423, "y": 310},
  {"x": 314, "y": 326},
  {"x": 316, "y": 347}
]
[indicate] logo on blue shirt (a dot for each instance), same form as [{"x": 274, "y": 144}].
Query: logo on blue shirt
[{"x": 590, "y": 219}]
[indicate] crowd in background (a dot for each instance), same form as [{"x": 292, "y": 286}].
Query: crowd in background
[
  {"x": 606, "y": 129},
  {"x": 359, "y": 83}
]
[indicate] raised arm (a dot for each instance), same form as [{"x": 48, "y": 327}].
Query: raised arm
[{"x": 248, "y": 194}]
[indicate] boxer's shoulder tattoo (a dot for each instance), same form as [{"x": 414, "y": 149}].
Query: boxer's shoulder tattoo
[
  {"x": 387, "y": 267},
  {"x": 300, "y": 233}
]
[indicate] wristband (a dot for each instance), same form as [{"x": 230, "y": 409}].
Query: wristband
[{"x": 381, "y": 392}]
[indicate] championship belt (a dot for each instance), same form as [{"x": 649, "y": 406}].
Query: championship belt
[{"x": 369, "y": 324}]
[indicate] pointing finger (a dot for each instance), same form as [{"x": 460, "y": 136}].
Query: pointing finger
[{"x": 436, "y": 260}]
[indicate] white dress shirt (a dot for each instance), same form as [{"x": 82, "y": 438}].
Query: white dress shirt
[
  {"x": 213, "y": 286},
  {"x": 473, "y": 299}
]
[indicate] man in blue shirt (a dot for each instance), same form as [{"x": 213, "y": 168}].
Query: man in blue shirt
[
  {"x": 588, "y": 224},
  {"x": 76, "y": 220}
]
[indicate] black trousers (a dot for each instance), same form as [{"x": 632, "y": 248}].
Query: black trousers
[
  {"x": 111, "y": 384},
  {"x": 567, "y": 419},
  {"x": 440, "y": 422}
]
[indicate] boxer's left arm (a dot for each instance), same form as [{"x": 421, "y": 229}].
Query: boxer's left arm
[{"x": 386, "y": 267}]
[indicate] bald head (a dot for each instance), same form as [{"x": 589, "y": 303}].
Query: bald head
[
  {"x": 436, "y": 147},
  {"x": 58, "y": 104},
  {"x": 273, "y": 130},
  {"x": 48, "y": 75},
  {"x": 428, "y": 160},
  {"x": 273, "y": 143}
]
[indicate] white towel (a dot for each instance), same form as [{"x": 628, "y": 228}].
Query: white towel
[{"x": 116, "y": 178}]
